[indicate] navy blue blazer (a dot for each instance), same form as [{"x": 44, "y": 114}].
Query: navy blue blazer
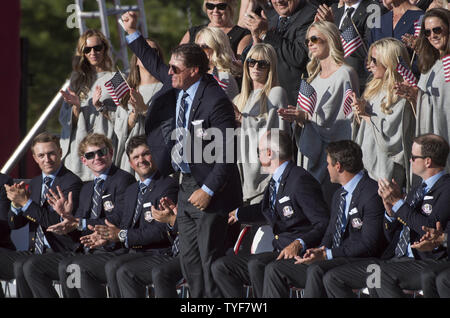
[
  {"x": 146, "y": 233},
  {"x": 211, "y": 108},
  {"x": 45, "y": 216},
  {"x": 434, "y": 207},
  {"x": 113, "y": 195},
  {"x": 300, "y": 209},
  {"x": 5, "y": 204},
  {"x": 366, "y": 208}
]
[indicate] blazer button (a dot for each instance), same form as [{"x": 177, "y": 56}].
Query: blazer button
[{"x": 276, "y": 237}]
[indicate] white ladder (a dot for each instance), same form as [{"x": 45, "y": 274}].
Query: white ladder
[{"x": 121, "y": 54}]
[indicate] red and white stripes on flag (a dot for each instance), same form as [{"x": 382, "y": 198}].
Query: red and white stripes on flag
[
  {"x": 347, "y": 99},
  {"x": 117, "y": 88},
  {"x": 446, "y": 63},
  {"x": 222, "y": 84},
  {"x": 307, "y": 97},
  {"x": 417, "y": 25},
  {"x": 405, "y": 72},
  {"x": 350, "y": 40}
]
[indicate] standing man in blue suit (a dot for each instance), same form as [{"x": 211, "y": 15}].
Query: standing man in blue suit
[
  {"x": 193, "y": 103},
  {"x": 355, "y": 229}
]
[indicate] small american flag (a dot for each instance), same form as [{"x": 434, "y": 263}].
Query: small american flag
[
  {"x": 347, "y": 99},
  {"x": 350, "y": 40},
  {"x": 117, "y": 88},
  {"x": 417, "y": 25},
  {"x": 446, "y": 63},
  {"x": 307, "y": 97},
  {"x": 405, "y": 72},
  {"x": 222, "y": 84}
]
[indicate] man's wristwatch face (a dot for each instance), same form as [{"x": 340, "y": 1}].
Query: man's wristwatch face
[{"x": 122, "y": 235}]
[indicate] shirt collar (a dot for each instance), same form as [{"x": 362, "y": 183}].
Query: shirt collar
[
  {"x": 356, "y": 5},
  {"x": 192, "y": 89},
  {"x": 431, "y": 181},
  {"x": 351, "y": 185},
  {"x": 279, "y": 171},
  {"x": 148, "y": 180},
  {"x": 53, "y": 175},
  {"x": 104, "y": 175}
]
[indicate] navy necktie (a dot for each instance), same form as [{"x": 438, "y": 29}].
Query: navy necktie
[
  {"x": 272, "y": 196},
  {"x": 340, "y": 221},
  {"x": 39, "y": 239},
  {"x": 178, "y": 151},
  {"x": 176, "y": 246},
  {"x": 97, "y": 198},
  {"x": 403, "y": 241},
  {"x": 142, "y": 189},
  {"x": 348, "y": 19}
]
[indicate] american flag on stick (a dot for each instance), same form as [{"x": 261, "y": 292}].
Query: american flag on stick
[
  {"x": 417, "y": 25},
  {"x": 446, "y": 63},
  {"x": 117, "y": 87},
  {"x": 405, "y": 72},
  {"x": 347, "y": 99},
  {"x": 350, "y": 40},
  {"x": 222, "y": 84},
  {"x": 307, "y": 97}
]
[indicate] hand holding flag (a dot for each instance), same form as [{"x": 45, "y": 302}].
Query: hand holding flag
[
  {"x": 405, "y": 72},
  {"x": 307, "y": 97},
  {"x": 347, "y": 108},
  {"x": 215, "y": 74},
  {"x": 117, "y": 87}
]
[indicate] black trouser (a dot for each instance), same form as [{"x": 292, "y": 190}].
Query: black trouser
[
  {"x": 11, "y": 266},
  {"x": 232, "y": 272},
  {"x": 435, "y": 280},
  {"x": 202, "y": 237},
  {"x": 161, "y": 270},
  {"x": 280, "y": 275}
]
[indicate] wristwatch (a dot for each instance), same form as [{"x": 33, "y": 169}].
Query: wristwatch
[{"x": 122, "y": 235}]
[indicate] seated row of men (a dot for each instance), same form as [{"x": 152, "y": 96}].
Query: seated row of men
[{"x": 119, "y": 233}]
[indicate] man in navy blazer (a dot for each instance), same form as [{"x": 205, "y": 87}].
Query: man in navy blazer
[
  {"x": 96, "y": 153},
  {"x": 296, "y": 212},
  {"x": 193, "y": 105},
  {"x": 130, "y": 224},
  {"x": 354, "y": 231},
  {"x": 403, "y": 259},
  {"x": 5, "y": 239},
  {"x": 32, "y": 207}
]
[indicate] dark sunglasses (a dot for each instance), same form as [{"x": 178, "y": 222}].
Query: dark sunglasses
[
  {"x": 204, "y": 46},
  {"x": 314, "y": 39},
  {"x": 373, "y": 60},
  {"x": 96, "y": 48},
  {"x": 91, "y": 154},
  {"x": 220, "y": 6},
  {"x": 413, "y": 158},
  {"x": 175, "y": 69},
  {"x": 436, "y": 30},
  {"x": 261, "y": 63}
]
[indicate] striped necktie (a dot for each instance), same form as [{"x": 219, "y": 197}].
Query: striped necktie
[
  {"x": 39, "y": 239},
  {"x": 142, "y": 189},
  {"x": 97, "y": 198},
  {"x": 177, "y": 154},
  {"x": 403, "y": 241},
  {"x": 340, "y": 221},
  {"x": 272, "y": 196},
  {"x": 176, "y": 246}
]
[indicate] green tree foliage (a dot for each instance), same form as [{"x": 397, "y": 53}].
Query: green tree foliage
[{"x": 52, "y": 43}]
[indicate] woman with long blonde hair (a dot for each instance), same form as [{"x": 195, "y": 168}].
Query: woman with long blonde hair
[
  {"x": 256, "y": 109},
  {"x": 386, "y": 128},
  {"x": 87, "y": 106},
  {"x": 217, "y": 48},
  {"x": 330, "y": 77},
  {"x": 130, "y": 117}
]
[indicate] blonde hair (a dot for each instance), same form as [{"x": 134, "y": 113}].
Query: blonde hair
[
  {"x": 84, "y": 75},
  {"x": 332, "y": 37},
  {"x": 388, "y": 51},
  {"x": 222, "y": 56},
  {"x": 231, "y": 8},
  {"x": 260, "y": 51},
  {"x": 94, "y": 139}
]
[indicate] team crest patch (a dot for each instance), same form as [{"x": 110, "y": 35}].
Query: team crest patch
[
  {"x": 288, "y": 211},
  {"x": 108, "y": 206},
  {"x": 148, "y": 216},
  {"x": 357, "y": 223},
  {"x": 427, "y": 208}
]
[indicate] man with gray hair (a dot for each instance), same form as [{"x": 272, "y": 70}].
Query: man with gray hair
[{"x": 292, "y": 205}]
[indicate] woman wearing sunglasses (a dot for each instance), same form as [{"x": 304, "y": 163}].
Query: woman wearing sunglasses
[
  {"x": 386, "y": 127},
  {"x": 87, "y": 106},
  {"x": 432, "y": 94},
  {"x": 330, "y": 77},
  {"x": 221, "y": 15},
  {"x": 217, "y": 48},
  {"x": 130, "y": 118},
  {"x": 256, "y": 109}
]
